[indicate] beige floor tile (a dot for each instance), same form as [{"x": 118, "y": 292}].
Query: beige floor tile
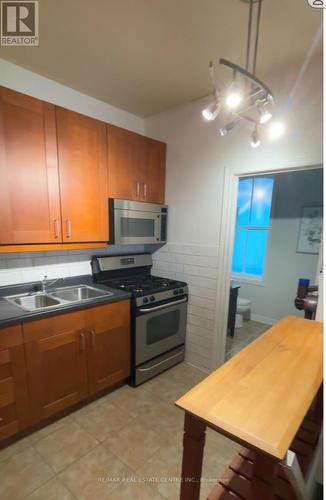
[
  {"x": 164, "y": 469},
  {"x": 132, "y": 399},
  {"x": 137, "y": 491},
  {"x": 22, "y": 474},
  {"x": 65, "y": 445},
  {"x": 95, "y": 475},
  {"x": 13, "y": 449},
  {"x": 31, "y": 439},
  {"x": 104, "y": 419},
  {"x": 166, "y": 388},
  {"x": 135, "y": 443},
  {"x": 52, "y": 490},
  {"x": 164, "y": 418}
]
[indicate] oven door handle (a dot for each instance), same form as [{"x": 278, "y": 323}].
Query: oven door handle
[
  {"x": 160, "y": 362},
  {"x": 164, "y": 306}
]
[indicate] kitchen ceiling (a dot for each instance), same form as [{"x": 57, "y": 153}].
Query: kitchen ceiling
[{"x": 146, "y": 56}]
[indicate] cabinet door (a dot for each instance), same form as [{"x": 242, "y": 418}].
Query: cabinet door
[
  {"x": 109, "y": 349},
  {"x": 29, "y": 186},
  {"x": 123, "y": 170},
  {"x": 153, "y": 172},
  {"x": 56, "y": 362},
  {"x": 83, "y": 177},
  {"x": 13, "y": 388}
]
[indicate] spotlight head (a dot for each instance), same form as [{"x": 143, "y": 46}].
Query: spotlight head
[
  {"x": 233, "y": 100},
  {"x": 276, "y": 130},
  {"x": 222, "y": 131},
  {"x": 254, "y": 140},
  {"x": 265, "y": 115},
  {"x": 211, "y": 111}
]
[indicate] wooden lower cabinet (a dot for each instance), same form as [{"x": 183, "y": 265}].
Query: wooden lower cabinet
[
  {"x": 14, "y": 410},
  {"x": 70, "y": 356},
  {"x": 109, "y": 351},
  {"x": 56, "y": 362}
]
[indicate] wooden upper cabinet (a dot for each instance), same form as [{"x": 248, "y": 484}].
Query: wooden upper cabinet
[
  {"x": 56, "y": 360},
  {"x": 109, "y": 347},
  {"x": 123, "y": 174},
  {"x": 29, "y": 187},
  {"x": 153, "y": 171},
  {"x": 13, "y": 388},
  {"x": 136, "y": 166},
  {"x": 83, "y": 177}
]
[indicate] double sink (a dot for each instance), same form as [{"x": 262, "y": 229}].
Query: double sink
[{"x": 57, "y": 297}]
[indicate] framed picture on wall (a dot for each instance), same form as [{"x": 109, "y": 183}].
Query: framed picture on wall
[{"x": 310, "y": 230}]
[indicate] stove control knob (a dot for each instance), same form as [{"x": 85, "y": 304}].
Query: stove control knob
[
  {"x": 175, "y": 292},
  {"x": 181, "y": 290},
  {"x": 145, "y": 300},
  {"x": 152, "y": 298}
]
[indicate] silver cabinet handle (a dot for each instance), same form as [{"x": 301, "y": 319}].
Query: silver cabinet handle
[
  {"x": 164, "y": 306},
  {"x": 145, "y": 190},
  {"x": 68, "y": 228},
  {"x": 82, "y": 342},
  {"x": 56, "y": 228},
  {"x": 93, "y": 339},
  {"x": 138, "y": 189}
]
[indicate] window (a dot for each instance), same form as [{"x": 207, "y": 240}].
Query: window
[{"x": 252, "y": 226}]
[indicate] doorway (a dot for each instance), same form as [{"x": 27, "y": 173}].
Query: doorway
[{"x": 265, "y": 249}]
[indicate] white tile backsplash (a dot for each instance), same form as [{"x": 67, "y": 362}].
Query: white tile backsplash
[
  {"x": 196, "y": 265},
  {"x": 33, "y": 266}
]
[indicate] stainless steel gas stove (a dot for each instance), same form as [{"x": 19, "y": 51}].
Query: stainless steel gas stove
[{"x": 158, "y": 312}]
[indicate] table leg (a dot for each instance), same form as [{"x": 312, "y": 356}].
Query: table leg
[
  {"x": 192, "y": 460},
  {"x": 264, "y": 472}
]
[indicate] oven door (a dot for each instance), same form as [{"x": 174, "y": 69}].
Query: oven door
[
  {"x": 159, "y": 329},
  {"x": 133, "y": 227}
]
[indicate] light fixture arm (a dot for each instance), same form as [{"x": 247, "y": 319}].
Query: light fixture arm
[
  {"x": 257, "y": 36},
  {"x": 250, "y": 76},
  {"x": 249, "y": 35}
]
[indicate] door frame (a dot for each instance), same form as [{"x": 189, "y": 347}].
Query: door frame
[{"x": 226, "y": 241}]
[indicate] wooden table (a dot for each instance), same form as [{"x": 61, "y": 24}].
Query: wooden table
[{"x": 259, "y": 398}]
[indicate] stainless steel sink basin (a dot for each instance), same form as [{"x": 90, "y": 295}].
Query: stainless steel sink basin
[
  {"x": 57, "y": 297},
  {"x": 77, "y": 293},
  {"x": 34, "y": 302}
]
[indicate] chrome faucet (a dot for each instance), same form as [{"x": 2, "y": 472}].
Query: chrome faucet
[{"x": 45, "y": 285}]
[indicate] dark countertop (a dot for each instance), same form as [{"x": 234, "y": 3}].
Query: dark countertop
[{"x": 11, "y": 314}]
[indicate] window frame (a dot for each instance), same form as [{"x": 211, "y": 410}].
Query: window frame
[{"x": 246, "y": 278}]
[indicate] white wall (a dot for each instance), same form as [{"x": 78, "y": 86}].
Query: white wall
[
  {"x": 284, "y": 266},
  {"x": 197, "y": 158},
  {"x": 27, "y": 82}
]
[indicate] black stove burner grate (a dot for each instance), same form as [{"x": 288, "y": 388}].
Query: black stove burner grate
[{"x": 143, "y": 284}]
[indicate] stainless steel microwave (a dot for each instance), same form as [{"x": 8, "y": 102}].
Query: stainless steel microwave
[{"x": 137, "y": 222}]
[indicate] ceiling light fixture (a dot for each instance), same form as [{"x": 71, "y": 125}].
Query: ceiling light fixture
[
  {"x": 265, "y": 114},
  {"x": 211, "y": 112},
  {"x": 254, "y": 140},
  {"x": 247, "y": 98}
]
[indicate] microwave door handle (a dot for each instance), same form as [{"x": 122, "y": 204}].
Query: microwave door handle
[{"x": 164, "y": 306}]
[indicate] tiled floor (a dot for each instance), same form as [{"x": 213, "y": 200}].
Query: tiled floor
[
  {"x": 250, "y": 331},
  {"x": 126, "y": 445}
]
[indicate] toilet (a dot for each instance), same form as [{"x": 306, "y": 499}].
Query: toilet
[{"x": 243, "y": 311}]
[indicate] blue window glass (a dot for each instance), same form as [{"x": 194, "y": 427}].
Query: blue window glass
[
  {"x": 256, "y": 251},
  {"x": 239, "y": 250},
  {"x": 261, "y": 202},
  {"x": 252, "y": 225}
]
